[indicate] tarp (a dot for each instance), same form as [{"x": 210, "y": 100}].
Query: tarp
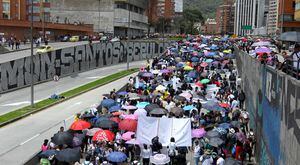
[{"x": 164, "y": 128}]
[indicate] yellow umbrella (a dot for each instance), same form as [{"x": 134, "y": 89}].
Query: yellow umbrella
[
  {"x": 188, "y": 68},
  {"x": 227, "y": 51}
]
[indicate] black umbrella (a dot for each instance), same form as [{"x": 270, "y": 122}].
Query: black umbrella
[
  {"x": 158, "y": 111},
  {"x": 292, "y": 36},
  {"x": 106, "y": 124},
  {"x": 47, "y": 153},
  {"x": 212, "y": 134},
  {"x": 61, "y": 138},
  {"x": 69, "y": 155},
  {"x": 177, "y": 111},
  {"x": 231, "y": 161},
  {"x": 179, "y": 98},
  {"x": 150, "y": 107},
  {"x": 87, "y": 116}
]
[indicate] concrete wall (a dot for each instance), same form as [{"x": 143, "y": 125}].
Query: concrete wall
[
  {"x": 64, "y": 62},
  {"x": 273, "y": 101}
]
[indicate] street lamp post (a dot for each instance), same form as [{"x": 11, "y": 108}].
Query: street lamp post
[
  {"x": 128, "y": 33},
  {"x": 31, "y": 58}
]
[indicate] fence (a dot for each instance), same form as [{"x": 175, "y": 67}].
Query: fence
[{"x": 273, "y": 102}]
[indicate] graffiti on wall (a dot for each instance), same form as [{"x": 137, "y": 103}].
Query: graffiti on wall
[{"x": 16, "y": 74}]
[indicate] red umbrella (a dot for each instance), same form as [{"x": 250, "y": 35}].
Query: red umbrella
[
  {"x": 103, "y": 135},
  {"x": 224, "y": 105},
  {"x": 115, "y": 119},
  {"x": 128, "y": 125},
  {"x": 198, "y": 84},
  {"x": 80, "y": 125}
]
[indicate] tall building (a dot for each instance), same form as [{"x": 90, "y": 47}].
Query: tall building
[
  {"x": 41, "y": 10},
  {"x": 272, "y": 18},
  {"x": 210, "y": 26},
  {"x": 225, "y": 17},
  {"x": 13, "y": 9},
  {"x": 287, "y": 15},
  {"x": 161, "y": 9},
  {"x": 297, "y": 10},
  {"x": 118, "y": 17},
  {"x": 249, "y": 15}
]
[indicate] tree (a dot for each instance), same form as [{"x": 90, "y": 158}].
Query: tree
[{"x": 191, "y": 16}]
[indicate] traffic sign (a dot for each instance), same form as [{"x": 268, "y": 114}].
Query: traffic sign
[{"x": 247, "y": 27}]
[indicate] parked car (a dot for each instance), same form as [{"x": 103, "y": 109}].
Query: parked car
[
  {"x": 74, "y": 39},
  {"x": 44, "y": 49},
  {"x": 65, "y": 39}
]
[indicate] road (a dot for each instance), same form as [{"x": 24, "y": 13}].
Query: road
[
  {"x": 24, "y": 53},
  {"x": 20, "y": 98},
  {"x": 21, "y": 139}
]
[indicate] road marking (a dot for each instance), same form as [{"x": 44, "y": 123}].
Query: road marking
[
  {"x": 15, "y": 104},
  {"x": 26, "y": 141},
  {"x": 94, "y": 77}
]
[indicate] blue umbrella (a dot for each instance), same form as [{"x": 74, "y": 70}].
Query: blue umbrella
[
  {"x": 114, "y": 108},
  {"x": 188, "y": 107},
  {"x": 142, "y": 105},
  {"x": 192, "y": 74},
  {"x": 209, "y": 60},
  {"x": 225, "y": 125},
  {"x": 122, "y": 93},
  {"x": 47, "y": 153},
  {"x": 211, "y": 54},
  {"x": 179, "y": 65},
  {"x": 214, "y": 47},
  {"x": 108, "y": 103},
  {"x": 116, "y": 157},
  {"x": 212, "y": 105},
  {"x": 195, "y": 59}
]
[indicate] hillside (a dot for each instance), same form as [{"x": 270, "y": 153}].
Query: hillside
[{"x": 207, "y": 7}]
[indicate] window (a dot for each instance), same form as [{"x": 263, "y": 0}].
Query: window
[{"x": 6, "y": 6}]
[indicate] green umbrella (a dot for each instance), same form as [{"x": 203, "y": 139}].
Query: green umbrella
[{"x": 205, "y": 81}]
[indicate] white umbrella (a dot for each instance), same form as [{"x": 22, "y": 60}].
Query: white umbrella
[
  {"x": 140, "y": 112},
  {"x": 159, "y": 159}
]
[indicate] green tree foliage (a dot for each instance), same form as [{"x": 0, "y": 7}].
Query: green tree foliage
[{"x": 207, "y": 7}]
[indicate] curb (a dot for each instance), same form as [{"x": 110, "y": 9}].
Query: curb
[{"x": 62, "y": 100}]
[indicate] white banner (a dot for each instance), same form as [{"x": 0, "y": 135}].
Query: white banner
[{"x": 164, "y": 128}]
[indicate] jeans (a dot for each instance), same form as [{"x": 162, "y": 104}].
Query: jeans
[{"x": 196, "y": 159}]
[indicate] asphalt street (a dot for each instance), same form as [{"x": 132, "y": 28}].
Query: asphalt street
[
  {"x": 21, "y": 139},
  {"x": 24, "y": 53},
  {"x": 20, "y": 98}
]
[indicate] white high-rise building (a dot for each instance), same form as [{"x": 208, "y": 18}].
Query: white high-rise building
[
  {"x": 249, "y": 15},
  {"x": 272, "y": 24}
]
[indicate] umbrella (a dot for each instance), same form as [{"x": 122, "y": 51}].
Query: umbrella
[
  {"x": 108, "y": 103},
  {"x": 47, "y": 153},
  {"x": 128, "y": 125},
  {"x": 129, "y": 107},
  {"x": 263, "y": 50},
  {"x": 199, "y": 84},
  {"x": 216, "y": 142},
  {"x": 147, "y": 74},
  {"x": 158, "y": 111},
  {"x": 80, "y": 125},
  {"x": 225, "y": 125},
  {"x": 179, "y": 98},
  {"x": 122, "y": 93},
  {"x": 224, "y": 105},
  {"x": 198, "y": 133},
  {"x": 87, "y": 116},
  {"x": 188, "y": 107},
  {"x": 261, "y": 43},
  {"x": 195, "y": 59},
  {"x": 69, "y": 155},
  {"x": 91, "y": 132},
  {"x": 106, "y": 124},
  {"x": 209, "y": 60},
  {"x": 232, "y": 161},
  {"x": 180, "y": 64},
  {"x": 212, "y": 134},
  {"x": 292, "y": 36},
  {"x": 192, "y": 74},
  {"x": 133, "y": 96},
  {"x": 127, "y": 136},
  {"x": 115, "y": 119},
  {"x": 221, "y": 130},
  {"x": 165, "y": 71},
  {"x": 204, "y": 64},
  {"x": 188, "y": 68},
  {"x": 205, "y": 81},
  {"x": 103, "y": 135},
  {"x": 131, "y": 117},
  {"x": 150, "y": 107},
  {"x": 155, "y": 71},
  {"x": 212, "y": 105},
  {"x": 77, "y": 140},
  {"x": 116, "y": 157},
  {"x": 161, "y": 88},
  {"x": 186, "y": 95},
  {"x": 142, "y": 105},
  {"x": 159, "y": 159},
  {"x": 114, "y": 108},
  {"x": 140, "y": 112},
  {"x": 133, "y": 141},
  {"x": 177, "y": 111},
  {"x": 61, "y": 138}
]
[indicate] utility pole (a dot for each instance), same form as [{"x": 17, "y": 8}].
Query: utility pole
[
  {"x": 128, "y": 33},
  {"x": 31, "y": 58}
]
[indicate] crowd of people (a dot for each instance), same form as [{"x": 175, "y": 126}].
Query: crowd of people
[{"x": 195, "y": 78}]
